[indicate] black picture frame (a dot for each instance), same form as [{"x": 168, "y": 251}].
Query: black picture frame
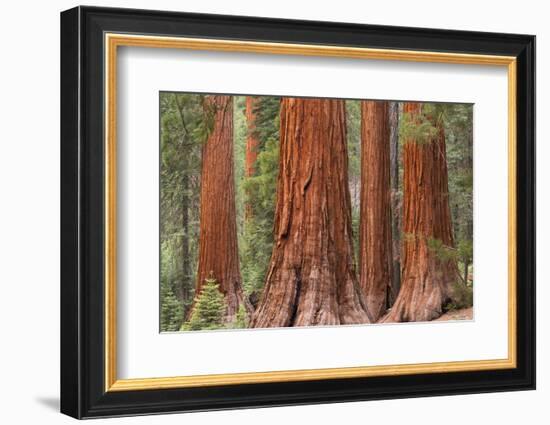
[{"x": 83, "y": 392}]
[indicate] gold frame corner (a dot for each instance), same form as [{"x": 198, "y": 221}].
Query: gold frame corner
[{"x": 113, "y": 41}]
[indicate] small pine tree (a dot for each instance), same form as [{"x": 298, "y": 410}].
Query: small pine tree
[
  {"x": 241, "y": 319},
  {"x": 171, "y": 311},
  {"x": 209, "y": 309}
]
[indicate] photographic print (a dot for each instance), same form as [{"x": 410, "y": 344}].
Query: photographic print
[{"x": 286, "y": 211}]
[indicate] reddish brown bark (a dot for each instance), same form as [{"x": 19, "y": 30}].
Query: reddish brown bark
[
  {"x": 375, "y": 234},
  {"x": 427, "y": 273},
  {"x": 311, "y": 278},
  {"x": 218, "y": 252}
]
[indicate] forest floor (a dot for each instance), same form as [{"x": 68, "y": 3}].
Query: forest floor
[{"x": 463, "y": 314}]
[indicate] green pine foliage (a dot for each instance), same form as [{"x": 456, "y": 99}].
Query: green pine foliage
[
  {"x": 442, "y": 251},
  {"x": 458, "y": 121},
  {"x": 465, "y": 252},
  {"x": 462, "y": 296},
  {"x": 181, "y": 116},
  {"x": 259, "y": 191},
  {"x": 239, "y": 150},
  {"x": 418, "y": 128},
  {"x": 209, "y": 310},
  {"x": 267, "y": 118},
  {"x": 241, "y": 319},
  {"x": 171, "y": 312}
]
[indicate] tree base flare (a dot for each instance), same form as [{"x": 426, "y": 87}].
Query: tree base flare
[{"x": 419, "y": 303}]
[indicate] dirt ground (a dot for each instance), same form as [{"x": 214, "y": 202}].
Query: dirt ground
[{"x": 464, "y": 314}]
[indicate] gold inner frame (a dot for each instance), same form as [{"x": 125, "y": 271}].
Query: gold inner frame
[{"x": 113, "y": 41}]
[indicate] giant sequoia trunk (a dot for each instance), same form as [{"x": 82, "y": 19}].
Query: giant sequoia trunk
[
  {"x": 218, "y": 252},
  {"x": 375, "y": 235},
  {"x": 311, "y": 278},
  {"x": 427, "y": 233}
]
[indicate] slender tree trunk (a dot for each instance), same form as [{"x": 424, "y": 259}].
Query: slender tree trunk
[
  {"x": 395, "y": 202},
  {"x": 469, "y": 164},
  {"x": 185, "y": 251},
  {"x": 184, "y": 290},
  {"x": 218, "y": 252},
  {"x": 427, "y": 229},
  {"x": 251, "y": 151},
  {"x": 311, "y": 278},
  {"x": 375, "y": 236},
  {"x": 252, "y": 141}
]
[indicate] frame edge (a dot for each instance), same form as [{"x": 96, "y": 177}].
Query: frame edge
[{"x": 70, "y": 348}]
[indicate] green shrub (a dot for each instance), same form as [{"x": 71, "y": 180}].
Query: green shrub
[
  {"x": 462, "y": 296},
  {"x": 209, "y": 310},
  {"x": 171, "y": 310},
  {"x": 416, "y": 128},
  {"x": 442, "y": 251},
  {"x": 241, "y": 319}
]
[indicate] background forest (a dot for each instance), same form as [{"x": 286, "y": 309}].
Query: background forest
[{"x": 229, "y": 256}]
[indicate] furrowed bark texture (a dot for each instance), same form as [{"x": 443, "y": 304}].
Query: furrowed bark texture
[
  {"x": 218, "y": 251},
  {"x": 311, "y": 278},
  {"x": 395, "y": 202},
  {"x": 375, "y": 234},
  {"x": 426, "y": 275}
]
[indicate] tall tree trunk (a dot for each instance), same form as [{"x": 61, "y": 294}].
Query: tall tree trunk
[
  {"x": 311, "y": 278},
  {"x": 185, "y": 251},
  {"x": 395, "y": 202},
  {"x": 375, "y": 235},
  {"x": 251, "y": 151},
  {"x": 468, "y": 165},
  {"x": 427, "y": 229},
  {"x": 218, "y": 252}
]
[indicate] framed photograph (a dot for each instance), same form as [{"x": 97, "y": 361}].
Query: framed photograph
[{"x": 261, "y": 212}]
